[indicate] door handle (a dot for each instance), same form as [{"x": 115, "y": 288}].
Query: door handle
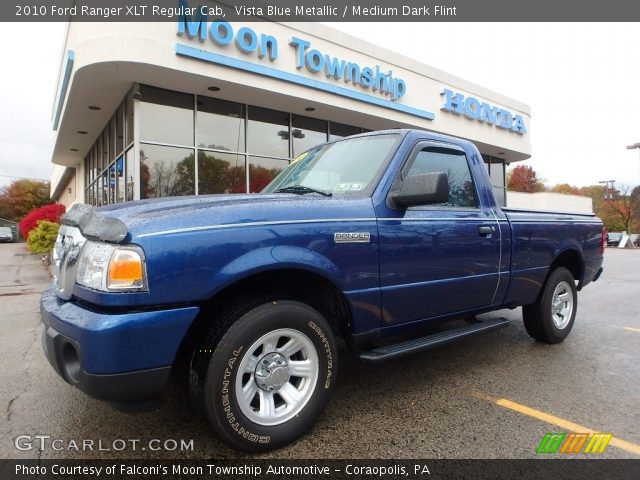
[{"x": 486, "y": 231}]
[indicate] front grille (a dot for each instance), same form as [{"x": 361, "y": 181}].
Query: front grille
[{"x": 65, "y": 259}]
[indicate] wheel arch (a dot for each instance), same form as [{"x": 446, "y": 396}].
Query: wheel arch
[
  {"x": 295, "y": 282},
  {"x": 572, "y": 260}
]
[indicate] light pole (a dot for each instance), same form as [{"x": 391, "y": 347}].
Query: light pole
[
  {"x": 609, "y": 188},
  {"x": 634, "y": 146}
]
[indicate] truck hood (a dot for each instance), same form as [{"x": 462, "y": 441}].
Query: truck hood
[{"x": 130, "y": 221}]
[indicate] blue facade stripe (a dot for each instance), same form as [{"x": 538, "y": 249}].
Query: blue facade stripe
[
  {"x": 186, "y": 51},
  {"x": 63, "y": 89}
]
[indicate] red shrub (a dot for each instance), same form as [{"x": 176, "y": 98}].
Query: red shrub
[{"x": 51, "y": 212}]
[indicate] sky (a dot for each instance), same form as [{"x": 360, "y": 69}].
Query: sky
[{"x": 582, "y": 82}]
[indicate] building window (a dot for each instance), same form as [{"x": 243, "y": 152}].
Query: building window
[
  {"x": 120, "y": 129},
  {"x": 166, "y": 171},
  {"x": 129, "y": 174},
  {"x": 340, "y": 130},
  {"x": 496, "y": 167},
  {"x": 221, "y": 173},
  {"x": 306, "y": 133},
  {"x": 165, "y": 116},
  {"x": 268, "y": 132},
  {"x": 262, "y": 170},
  {"x": 193, "y": 144},
  {"x": 220, "y": 125}
]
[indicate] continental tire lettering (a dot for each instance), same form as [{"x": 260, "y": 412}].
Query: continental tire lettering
[
  {"x": 231, "y": 418},
  {"x": 327, "y": 348}
]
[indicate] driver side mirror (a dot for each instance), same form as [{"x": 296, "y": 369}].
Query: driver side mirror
[{"x": 422, "y": 189}]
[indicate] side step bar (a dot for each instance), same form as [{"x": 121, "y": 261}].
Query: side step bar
[{"x": 408, "y": 347}]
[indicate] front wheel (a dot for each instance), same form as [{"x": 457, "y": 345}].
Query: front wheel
[
  {"x": 269, "y": 375},
  {"x": 551, "y": 317}
]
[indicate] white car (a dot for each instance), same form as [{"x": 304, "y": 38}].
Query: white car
[{"x": 6, "y": 235}]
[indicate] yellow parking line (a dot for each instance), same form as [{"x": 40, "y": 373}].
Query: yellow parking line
[
  {"x": 631, "y": 329},
  {"x": 553, "y": 420}
]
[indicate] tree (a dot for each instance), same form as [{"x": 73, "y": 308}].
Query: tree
[
  {"x": 565, "y": 188},
  {"x": 523, "y": 178},
  {"x": 597, "y": 194},
  {"x": 21, "y": 196},
  {"x": 43, "y": 237},
  {"x": 52, "y": 213},
  {"x": 620, "y": 211}
]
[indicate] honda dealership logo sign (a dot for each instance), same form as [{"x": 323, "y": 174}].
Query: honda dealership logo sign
[{"x": 474, "y": 109}]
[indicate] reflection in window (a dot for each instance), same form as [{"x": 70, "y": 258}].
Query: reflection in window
[
  {"x": 262, "y": 171},
  {"x": 220, "y": 125},
  {"x": 130, "y": 174},
  {"x": 119, "y": 178},
  {"x": 98, "y": 160},
  {"x": 166, "y": 116},
  {"x": 87, "y": 169},
  {"x": 454, "y": 164},
  {"x": 120, "y": 129},
  {"x": 106, "y": 150},
  {"x": 166, "y": 171},
  {"x": 268, "y": 132},
  {"x": 497, "y": 174},
  {"x": 220, "y": 173},
  {"x": 340, "y": 130},
  {"x": 501, "y": 196},
  {"x": 306, "y": 133},
  {"x": 99, "y": 191},
  {"x": 112, "y": 139},
  {"x": 129, "y": 120}
]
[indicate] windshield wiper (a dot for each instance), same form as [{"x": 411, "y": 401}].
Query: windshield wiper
[{"x": 301, "y": 190}]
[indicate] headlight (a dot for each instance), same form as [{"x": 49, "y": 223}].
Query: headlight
[{"x": 107, "y": 267}]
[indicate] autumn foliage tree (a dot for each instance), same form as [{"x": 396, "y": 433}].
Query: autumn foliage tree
[
  {"x": 21, "y": 196},
  {"x": 620, "y": 210},
  {"x": 523, "y": 178},
  {"x": 565, "y": 188},
  {"x": 51, "y": 213}
]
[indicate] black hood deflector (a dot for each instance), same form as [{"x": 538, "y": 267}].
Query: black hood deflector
[{"x": 93, "y": 225}]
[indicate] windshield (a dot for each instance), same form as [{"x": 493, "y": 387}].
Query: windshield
[{"x": 348, "y": 166}]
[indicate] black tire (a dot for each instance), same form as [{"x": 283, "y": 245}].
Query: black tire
[
  {"x": 539, "y": 316},
  {"x": 227, "y": 349}
]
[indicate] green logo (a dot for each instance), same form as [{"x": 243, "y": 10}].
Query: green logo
[{"x": 560, "y": 442}]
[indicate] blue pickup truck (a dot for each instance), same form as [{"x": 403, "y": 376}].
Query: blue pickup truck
[{"x": 366, "y": 239}]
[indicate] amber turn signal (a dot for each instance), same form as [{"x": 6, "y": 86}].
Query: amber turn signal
[{"x": 125, "y": 270}]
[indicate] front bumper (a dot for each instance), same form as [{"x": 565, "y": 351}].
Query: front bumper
[{"x": 121, "y": 357}]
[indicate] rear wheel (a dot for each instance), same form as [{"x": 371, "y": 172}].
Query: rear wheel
[
  {"x": 267, "y": 377},
  {"x": 551, "y": 317}
]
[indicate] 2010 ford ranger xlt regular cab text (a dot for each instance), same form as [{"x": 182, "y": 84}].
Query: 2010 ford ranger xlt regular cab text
[{"x": 367, "y": 238}]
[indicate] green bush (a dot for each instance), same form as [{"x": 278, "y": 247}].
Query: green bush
[{"x": 42, "y": 238}]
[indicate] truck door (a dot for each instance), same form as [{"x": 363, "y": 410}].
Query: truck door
[{"x": 438, "y": 259}]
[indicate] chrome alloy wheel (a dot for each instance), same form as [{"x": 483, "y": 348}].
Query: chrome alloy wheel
[
  {"x": 562, "y": 305},
  {"x": 277, "y": 377}
]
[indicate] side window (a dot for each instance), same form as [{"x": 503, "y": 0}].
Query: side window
[{"x": 454, "y": 164}]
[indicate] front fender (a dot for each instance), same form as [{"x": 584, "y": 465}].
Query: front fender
[{"x": 277, "y": 257}]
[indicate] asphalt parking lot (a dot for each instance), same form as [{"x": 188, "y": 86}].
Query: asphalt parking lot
[{"x": 492, "y": 396}]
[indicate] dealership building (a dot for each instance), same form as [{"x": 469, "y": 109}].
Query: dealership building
[{"x": 147, "y": 110}]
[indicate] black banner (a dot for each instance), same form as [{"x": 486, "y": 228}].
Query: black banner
[
  {"x": 319, "y": 10},
  {"x": 318, "y": 469}
]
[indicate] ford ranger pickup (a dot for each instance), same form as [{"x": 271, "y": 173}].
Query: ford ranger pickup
[{"x": 366, "y": 239}]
